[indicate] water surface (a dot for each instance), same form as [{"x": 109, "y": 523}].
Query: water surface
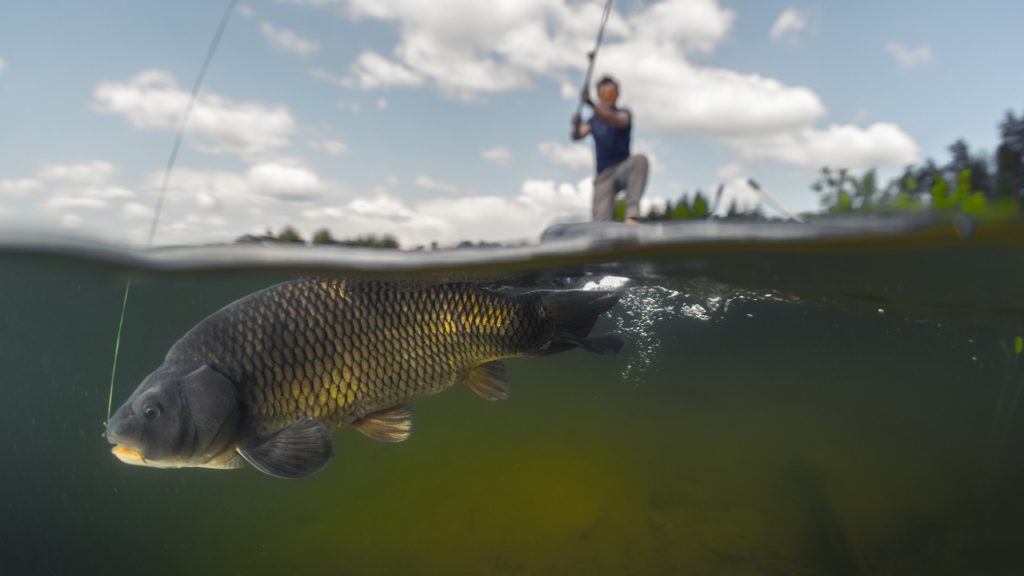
[{"x": 787, "y": 403}]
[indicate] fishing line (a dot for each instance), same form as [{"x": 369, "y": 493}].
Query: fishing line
[
  {"x": 593, "y": 54},
  {"x": 179, "y": 136}
]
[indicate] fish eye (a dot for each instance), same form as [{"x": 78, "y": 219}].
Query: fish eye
[{"x": 151, "y": 411}]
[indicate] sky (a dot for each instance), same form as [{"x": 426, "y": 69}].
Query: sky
[{"x": 448, "y": 120}]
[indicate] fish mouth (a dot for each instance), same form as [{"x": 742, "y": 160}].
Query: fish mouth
[{"x": 128, "y": 455}]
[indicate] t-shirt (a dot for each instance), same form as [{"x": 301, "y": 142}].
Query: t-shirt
[{"x": 611, "y": 145}]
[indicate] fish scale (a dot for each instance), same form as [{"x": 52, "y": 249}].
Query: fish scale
[{"x": 338, "y": 350}]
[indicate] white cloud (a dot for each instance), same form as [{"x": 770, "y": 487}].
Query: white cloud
[
  {"x": 321, "y": 74},
  {"x": 568, "y": 90},
  {"x": 789, "y": 22},
  {"x": 209, "y": 189},
  {"x": 429, "y": 183},
  {"x": 85, "y": 173},
  {"x": 245, "y": 11},
  {"x": 313, "y": 3},
  {"x": 838, "y": 146},
  {"x": 538, "y": 204},
  {"x": 669, "y": 94},
  {"x": 524, "y": 216},
  {"x": 500, "y": 155},
  {"x": 71, "y": 221},
  {"x": 371, "y": 70},
  {"x": 267, "y": 185},
  {"x": 285, "y": 182},
  {"x": 735, "y": 193},
  {"x": 152, "y": 100},
  {"x": 909, "y": 57},
  {"x": 382, "y": 104},
  {"x": 575, "y": 156},
  {"x": 2, "y": 65},
  {"x": 731, "y": 171},
  {"x": 60, "y": 203},
  {"x": 137, "y": 211},
  {"x": 376, "y": 214},
  {"x": 108, "y": 193},
  {"x": 211, "y": 206},
  {"x": 288, "y": 40},
  {"x": 218, "y": 205},
  {"x": 697, "y": 25},
  {"x": 353, "y": 107},
  {"x": 649, "y": 148},
  {"x": 329, "y": 147},
  {"x": 495, "y": 47},
  {"x": 20, "y": 186}
]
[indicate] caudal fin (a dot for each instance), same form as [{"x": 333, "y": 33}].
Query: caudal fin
[{"x": 575, "y": 312}]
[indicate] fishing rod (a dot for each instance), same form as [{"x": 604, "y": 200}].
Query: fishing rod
[
  {"x": 593, "y": 53},
  {"x": 718, "y": 199},
  {"x": 179, "y": 136},
  {"x": 773, "y": 201}
]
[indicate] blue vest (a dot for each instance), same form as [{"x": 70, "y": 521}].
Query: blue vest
[{"x": 611, "y": 145}]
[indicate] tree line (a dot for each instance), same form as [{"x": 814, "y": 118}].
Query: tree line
[
  {"x": 323, "y": 236},
  {"x": 971, "y": 181}
]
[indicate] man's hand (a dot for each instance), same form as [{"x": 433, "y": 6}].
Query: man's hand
[{"x": 579, "y": 130}]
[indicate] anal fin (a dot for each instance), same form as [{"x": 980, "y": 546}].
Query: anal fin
[
  {"x": 391, "y": 425},
  {"x": 298, "y": 451},
  {"x": 490, "y": 381}
]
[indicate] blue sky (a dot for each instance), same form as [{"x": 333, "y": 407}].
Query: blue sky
[{"x": 448, "y": 120}]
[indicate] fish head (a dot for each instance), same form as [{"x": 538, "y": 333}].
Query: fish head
[{"x": 179, "y": 416}]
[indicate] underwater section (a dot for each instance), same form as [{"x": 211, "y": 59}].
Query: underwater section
[{"x": 838, "y": 403}]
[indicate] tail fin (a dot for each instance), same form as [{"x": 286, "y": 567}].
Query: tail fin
[{"x": 575, "y": 312}]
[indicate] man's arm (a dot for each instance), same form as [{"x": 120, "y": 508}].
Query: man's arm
[
  {"x": 614, "y": 118},
  {"x": 579, "y": 130}
]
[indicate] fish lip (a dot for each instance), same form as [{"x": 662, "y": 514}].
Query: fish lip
[{"x": 127, "y": 454}]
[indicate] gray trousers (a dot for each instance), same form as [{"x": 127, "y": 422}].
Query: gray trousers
[{"x": 630, "y": 175}]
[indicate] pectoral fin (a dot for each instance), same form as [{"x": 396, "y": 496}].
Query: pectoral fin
[
  {"x": 300, "y": 450},
  {"x": 391, "y": 425},
  {"x": 490, "y": 381}
]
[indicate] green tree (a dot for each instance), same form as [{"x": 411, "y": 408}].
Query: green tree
[
  {"x": 865, "y": 191},
  {"x": 669, "y": 208},
  {"x": 963, "y": 186},
  {"x": 976, "y": 165},
  {"x": 682, "y": 210},
  {"x": 700, "y": 206},
  {"x": 372, "y": 241},
  {"x": 940, "y": 194},
  {"x": 289, "y": 234},
  {"x": 834, "y": 189},
  {"x": 656, "y": 213},
  {"x": 1010, "y": 157},
  {"x": 1009, "y": 172},
  {"x": 323, "y": 236}
]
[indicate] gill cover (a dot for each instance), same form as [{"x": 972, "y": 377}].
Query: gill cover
[{"x": 178, "y": 416}]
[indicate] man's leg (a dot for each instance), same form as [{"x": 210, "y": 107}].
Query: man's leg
[
  {"x": 604, "y": 195},
  {"x": 633, "y": 173}
]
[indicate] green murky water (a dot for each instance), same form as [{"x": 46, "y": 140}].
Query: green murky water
[{"x": 805, "y": 408}]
